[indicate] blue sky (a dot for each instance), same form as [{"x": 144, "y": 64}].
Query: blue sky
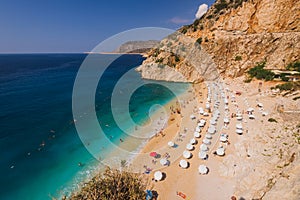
[{"x": 79, "y": 25}]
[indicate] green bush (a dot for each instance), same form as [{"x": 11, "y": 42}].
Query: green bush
[
  {"x": 272, "y": 120},
  {"x": 177, "y": 59},
  {"x": 160, "y": 60},
  {"x": 199, "y": 40},
  {"x": 285, "y": 86},
  {"x": 260, "y": 73},
  {"x": 294, "y": 66},
  {"x": 220, "y": 6},
  {"x": 113, "y": 184},
  {"x": 238, "y": 58},
  {"x": 283, "y": 77}
]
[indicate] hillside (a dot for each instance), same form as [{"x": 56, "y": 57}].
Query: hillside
[
  {"x": 136, "y": 46},
  {"x": 229, "y": 39}
]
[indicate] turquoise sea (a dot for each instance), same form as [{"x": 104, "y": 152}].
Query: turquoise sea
[{"x": 42, "y": 155}]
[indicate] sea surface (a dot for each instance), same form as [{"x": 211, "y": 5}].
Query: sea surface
[{"x": 42, "y": 155}]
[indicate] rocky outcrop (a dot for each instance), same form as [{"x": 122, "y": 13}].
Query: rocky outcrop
[
  {"x": 233, "y": 35},
  {"x": 136, "y": 46}
]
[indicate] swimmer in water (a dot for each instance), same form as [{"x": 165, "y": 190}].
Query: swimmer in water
[{"x": 121, "y": 140}]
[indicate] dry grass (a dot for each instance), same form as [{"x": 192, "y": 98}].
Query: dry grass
[{"x": 113, "y": 185}]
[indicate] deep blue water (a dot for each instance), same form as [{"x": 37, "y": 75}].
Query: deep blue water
[{"x": 39, "y": 145}]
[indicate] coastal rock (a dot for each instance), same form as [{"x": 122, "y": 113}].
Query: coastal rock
[{"x": 234, "y": 36}]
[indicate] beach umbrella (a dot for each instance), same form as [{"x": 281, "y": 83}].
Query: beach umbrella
[
  {"x": 197, "y": 134},
  {"x": 153, "y": 154},
  {"x": 206, "y": 141},
  {"x": 202, "y": 155},
  {"x": 205, "y": 114},
  {"x": 192, "y": 116},
  {"x": 203, "y": 147},
  {"x": 186, "y": 154},
  {"x": 211, "y": 130},
  {"x": 226, "y": 101},
  {"x": 239, "y": 131},
  {"x": 189, "y": 146},
  {"x": 226, "y": 120},
  {"x": 250, "y": 109},
  {"x": 208, "y": 136},
  {"x": 239, "y": 126},
  {"x": 213, "y": 122},
  {"x": 163, "y": 161},
  {"x": 198, "y": 129},
  {"x": 202, "y": 121},
  {"x": 223, "y": 137},
  {"x": 251, "y": 117},
  {"x": 158, "y": 175},
  {"x": 239, "y": 118},
  {"x": 208, "y": 99},
  {"x": 264, "y": 113},
  {"x": 220, "y": 151},
  {"x": 207, "y": 105},
  {"x": 193, "y": 141},
  {"x": 171, "y": 144},
  {"x": 203, "y": 169},
  {"x": 183, "y": 164},
  {"x": 201, "y": 111},
  {"x": 226, "y": 107}
]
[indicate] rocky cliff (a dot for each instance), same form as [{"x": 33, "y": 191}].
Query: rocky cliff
[
  {"x": 136, "y": 46},
  {"x": 228, "y": 40}
]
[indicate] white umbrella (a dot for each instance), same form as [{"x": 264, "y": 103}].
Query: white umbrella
[
  {"x": 207, "y": 105},
  {"x": 264, "y": 113},
  {"x": 206, "y": 141},
  {"x": 198, "y": 129},
  {"x": 226, "y": 101},
  {"x": 201, "y": 124},
  {"x": 183, "y": 163},
  {"x": 251, "y": 117},
  {"x": 203, "y": 169},
  {"x": 158, "y": 175},
  {"x": 202, "y": 121},
  {"x": 223, "y": 138},
  {"x": 201, "y": 111},
  {"x": 193, "y": 117},
  {"x": 189, "y": 147},
  {"x": 203, "y": 147},
  {"x": 250, "y": 109},
  {"x": 202, "y": 155},
  {"x": 186, "y": 154},
  {"x": 239, "y": 126},
  {"x": 163, "y": 161},
  {"x": 220, "y": 151},
  {"x": 171, "y": 144},
  {"x": 226, "y": 107},
  {"x": 193, "y": 141},
  {"x": 197, "y": 134},
  {"x": 239, "y": 131},
  {"x": 208, "y": 136},
  {"x": 226, "y": 120},
  {"x": 239, "y": 118},
  {"x": 211, "y": 130},
  {"x": 205, "y": 114},
  {"x": 213, "y": 122}
]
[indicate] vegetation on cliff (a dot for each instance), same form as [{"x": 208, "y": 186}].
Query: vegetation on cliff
[{"x": 113, "y": 185}]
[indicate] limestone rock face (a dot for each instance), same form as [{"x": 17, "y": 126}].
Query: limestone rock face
[{"x": 233, "y": 39}]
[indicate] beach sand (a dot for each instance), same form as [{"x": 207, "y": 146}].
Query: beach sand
[{"x": 228, "y": 175}]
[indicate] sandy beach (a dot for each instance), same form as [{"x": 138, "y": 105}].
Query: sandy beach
[{"x": 244, "y": 153}]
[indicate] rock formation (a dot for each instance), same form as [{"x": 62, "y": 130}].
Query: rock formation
[{"x": 229, "y": 39}]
